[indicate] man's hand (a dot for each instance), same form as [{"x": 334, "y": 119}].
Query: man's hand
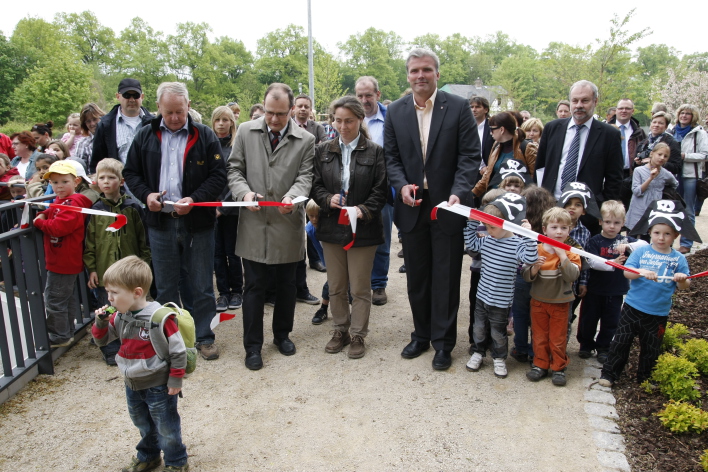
[
  {"x": 183, "y": 209},
  {"x": 407, "y": 193},
  {"x": 453, "y": 200},
  {"x": 153, "y": 201},
  {"x": 252, "y": 197},
  {"x": 286, "y": 209},
  {"x": 93, "y": 280}
]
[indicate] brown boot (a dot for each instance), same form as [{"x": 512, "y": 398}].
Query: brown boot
[
  {"x": 338, "y": 341},
  {"x": 357, "y": 348}
]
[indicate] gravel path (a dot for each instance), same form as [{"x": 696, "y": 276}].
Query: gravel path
[{"x": 316, "y": 411}]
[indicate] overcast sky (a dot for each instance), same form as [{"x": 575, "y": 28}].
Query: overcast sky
[{"x": 535, "y": 23}]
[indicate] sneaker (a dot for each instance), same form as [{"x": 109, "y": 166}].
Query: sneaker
[
  {"x": 536, "y": 374},
  {"x": 137, "y": 466},
  {"x": 176, "y": 468},
  {"x": 357, "y": 348},
  {"x": 500, "y": 368},
  {"x": 338, "y": 341},
  {"x": 475, "y": 362},
  {"x": 208, "y": 351},
  {"x": 519, "y": 356},
  {"x": 379, "y": 297},
  {"x": 558, "y": 378},
  {"x": 606, "y": 381},
  {"x": 602, "y": 357},
  {"x": 235, "y": 301},
  {"x": 320, "y": 315},
  {"x": 308, "y": 298},
  {"x": 64, "y": 344},
  {"x": 110, "y": 360},
  {"x": 222, "y": 303},
  {"x": 585, "y": 354}
]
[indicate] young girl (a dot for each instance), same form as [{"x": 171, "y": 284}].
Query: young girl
[
  {"x": 512, "y": 184},
  {"x": 59, "y": 149},
  {"x": 6, "y": 173},
  {"x": 37, "y": 186},
  {"x": 73, "y": 135},
  {"x": 648, "y": 183}
]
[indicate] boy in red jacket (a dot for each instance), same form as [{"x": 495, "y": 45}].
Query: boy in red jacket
[{"x": 63, "y": 251}]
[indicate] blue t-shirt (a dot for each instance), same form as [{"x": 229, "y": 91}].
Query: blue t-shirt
[{"x": 648, "y": 296}]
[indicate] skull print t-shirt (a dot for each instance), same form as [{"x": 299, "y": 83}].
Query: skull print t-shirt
[{"x": 654, "y": 297}]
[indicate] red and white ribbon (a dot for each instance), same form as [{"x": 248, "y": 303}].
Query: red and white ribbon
[
  {"x": 121, "y": 220},
  {"x": 694, "y": 276},
  {"x": 220, "y": 318},
  {"x": 295, "y": 201},
  {"x": 514, "y": 228},
  {"x": 347, "y": 216}
]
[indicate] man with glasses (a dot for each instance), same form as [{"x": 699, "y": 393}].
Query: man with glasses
[
  {"x": 632, "y": 135},
  {"x": 116, "y": 130},
  {"x": 271, "y": 161}
]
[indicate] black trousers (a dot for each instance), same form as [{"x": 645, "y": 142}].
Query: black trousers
[
  {"x": 649, "y": 328},
  {"x": 433, "y": 263},
  {"x": 257, "y": 277}
]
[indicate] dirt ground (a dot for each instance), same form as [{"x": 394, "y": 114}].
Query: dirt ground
[{"x": 315, "y": 411}]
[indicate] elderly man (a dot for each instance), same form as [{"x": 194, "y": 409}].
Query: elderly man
[
  {"x": 175, "y": 159},
  {"x": 432, "y": 155},
  {"x": 368, "y": 93},
  {"x": 116, "y": 130},
  {"x": 582, "y": 149},
  {"x": 271, "y": 159}
]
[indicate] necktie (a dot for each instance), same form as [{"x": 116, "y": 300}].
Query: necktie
[
  {"x": 624, "y": 145},
  {"x": 274, "y": 142},
  {"x": 570, "y": 171}
]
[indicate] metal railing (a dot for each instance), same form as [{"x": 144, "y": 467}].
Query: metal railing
[{"x": 24, "y": 342}]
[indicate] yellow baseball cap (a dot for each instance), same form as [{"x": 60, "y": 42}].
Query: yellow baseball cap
[{"x": 61, "y": 167}]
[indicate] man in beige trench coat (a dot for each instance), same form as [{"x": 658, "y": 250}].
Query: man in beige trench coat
[{"x": 271, "y": 160}]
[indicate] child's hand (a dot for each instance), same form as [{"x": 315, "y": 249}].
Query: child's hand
[
  {"x": 173, "y": 390},
  {"x": 541, "y": 260},
  {"x": 41, "y": 216},
  {"x": 620, "y": 259},
  {"x": 218, "y": 213},
  {"x": 93, "y": 280},
  {"x": 679, "y": 277},
  {"x": 105, "y": 312},
  {"x": 36, "y": 178},
  {"x": 648, "y": 274},
  {"x": 654, "y": 172},
  {"x": 561, "y": 252},
  {"x": 582, "y": 291},
  {"x": 525, "y": 224},
  {"x": 622, "y": 248}
]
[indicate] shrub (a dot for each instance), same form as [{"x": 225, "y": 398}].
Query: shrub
[
  {"x": 704, "y": 460},
  {"x": 673, "y": 336},
  {"x": 696, "y": 351},
  {"x": 675, "y": 376},
  {"x": 681, "y": 417}
]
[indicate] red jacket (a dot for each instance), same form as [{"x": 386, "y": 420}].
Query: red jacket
[
  {"x": 64, "y": 235},
  {"x": 5, "y": 191}
]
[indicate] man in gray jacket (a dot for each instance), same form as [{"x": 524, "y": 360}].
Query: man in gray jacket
[{"x": 271, "y": 160}]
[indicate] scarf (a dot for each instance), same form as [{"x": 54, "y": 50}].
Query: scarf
[{"x": 680, "y": 132}]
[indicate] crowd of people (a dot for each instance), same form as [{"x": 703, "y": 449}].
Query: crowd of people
[{"x": 574, "y": 184}]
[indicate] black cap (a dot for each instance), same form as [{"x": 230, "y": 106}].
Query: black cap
[
  {"x": 128, "y": 85},
  {"x": 668, "y": 212}
]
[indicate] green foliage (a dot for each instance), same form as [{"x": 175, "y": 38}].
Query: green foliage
[
  {"x": 696, "y": 351},
  {"x": 680, "y": 417},
  {"x": 85, "y": 34},
  {"x": 673, "y": 336},
  {"x": 704, "y": 460},
  {"x": 12, "y": 127},
  {"x": 676, "y": 377}
]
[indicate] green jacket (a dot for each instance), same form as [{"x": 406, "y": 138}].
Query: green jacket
[{"x": 103, "y": 248}]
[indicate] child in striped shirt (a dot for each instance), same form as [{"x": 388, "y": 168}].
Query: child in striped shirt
[{"x": 500, "y": 252}]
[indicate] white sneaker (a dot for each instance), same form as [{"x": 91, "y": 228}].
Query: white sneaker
[
  {"x": 500, "y": 368},
  {"x": 475, "y": 362}
]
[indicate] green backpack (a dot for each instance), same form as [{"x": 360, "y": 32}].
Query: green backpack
[{"x": 156, "y": 325}]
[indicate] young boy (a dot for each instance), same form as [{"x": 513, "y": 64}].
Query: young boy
[
  {"x": 646, "y": 308},
  {"x": 63, "y": 246},
  {"x": 151, "y": 384},
  {"x": 606, "y": 286},
  {"x": 500, "y": 252},
  {"x": 551, "y": 280},
  {"x": 103, "y": 248}
]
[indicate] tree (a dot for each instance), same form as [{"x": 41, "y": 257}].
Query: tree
[
  {"x": 684, "y": 87},
  {"x": 282, "y": 57},
  {"x": 192, "y": 54},
  {"x": 52, "y": 93},
  {"x": 85, "y": 34},
  {"x": 13, "y": 71},
  {"x": 38, "y": 41},
  {"x": 654, "y": 59},
  {"x": 527, "y": 81},
  {"x": 328, "y": 82}
]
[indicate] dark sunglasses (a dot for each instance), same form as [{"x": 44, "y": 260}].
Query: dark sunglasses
[
  {"x": 129, "y": 95},
  {"x": 493, "y": 128}
]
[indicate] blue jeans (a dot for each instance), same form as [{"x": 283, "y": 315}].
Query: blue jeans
[
  {"x": 382, "y": 259},
  {"x": 689, "y": 194},
  {"x": 154, "y": 413},
  {"x": 175, "y": 249}
]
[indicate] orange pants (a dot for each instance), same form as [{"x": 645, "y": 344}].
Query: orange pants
[{"x": 549, "y": 331}]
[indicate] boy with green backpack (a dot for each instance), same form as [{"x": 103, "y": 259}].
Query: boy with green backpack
[{"x": 153, "y": 375}]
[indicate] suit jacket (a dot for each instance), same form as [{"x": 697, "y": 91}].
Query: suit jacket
[
  {"x": 487, "y": 141},
  {"x": 453, "y": 156},
  {"x": 316, "y": 130},
  {"x": 601, "y": 165}
]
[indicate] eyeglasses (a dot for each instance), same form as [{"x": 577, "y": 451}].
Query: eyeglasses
[
  {"x": 494, "y": 128},
  {"x": 625, "y": 109},
  {"x": 129, "y": 95},
  {"x": 270, "y": 114}
]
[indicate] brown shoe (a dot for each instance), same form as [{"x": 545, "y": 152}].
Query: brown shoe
[
  {"x": 379, "y": 297},
  {"x": 357, "y": 348},
  {"x": 684, "y": 249},
  {"x": 208, "y": 351},
  {"x": 338, "y": 341}
]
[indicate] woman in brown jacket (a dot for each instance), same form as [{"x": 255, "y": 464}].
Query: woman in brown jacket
[
  {"x": 349, "y": 171},
  {"x": 509, "y": 144}
]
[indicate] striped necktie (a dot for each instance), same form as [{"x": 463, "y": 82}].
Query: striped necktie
[
  {"x": 570, "y": 171},
  {"x": 276, "y": 139}
]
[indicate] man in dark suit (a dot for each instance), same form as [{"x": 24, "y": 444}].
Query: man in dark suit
[
  {"x": 594, "y": 157},
  {"x": 432, "y": 156},
  {"x": 480, "y": 113}
]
